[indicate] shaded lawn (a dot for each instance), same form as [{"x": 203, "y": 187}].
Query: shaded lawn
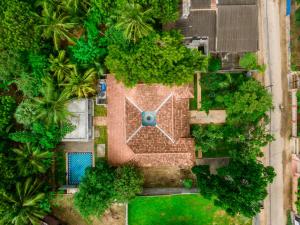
[
  {"x": 102, "y": 139},
  {"x": 193, "y": 101},
  {"x": 179, "y": 210}
]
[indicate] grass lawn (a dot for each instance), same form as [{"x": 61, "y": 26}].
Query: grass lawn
[
  {"x": 100, "y": 110},
  {"x": 102, "y": 139},
  {"x": 179, "y": 210}
]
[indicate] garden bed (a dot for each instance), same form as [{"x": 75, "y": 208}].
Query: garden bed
[{"x": 179, "y": 209}]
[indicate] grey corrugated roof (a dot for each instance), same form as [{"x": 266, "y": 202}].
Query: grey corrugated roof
[
  {"x": 237, "y": 2},
  {"x": 200, "y": 23},
  {"x": 200, "y": 4},
  {"x": 237, "y": 28}
]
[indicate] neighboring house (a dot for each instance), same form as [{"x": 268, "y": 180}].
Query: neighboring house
[
  {"x": 148, "y": 125},
  {"x": 227, "y": 28},
  {"x": 82, "y": 118}
]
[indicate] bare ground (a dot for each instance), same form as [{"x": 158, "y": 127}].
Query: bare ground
[
  {"x": 166, "y": 176},
  {"x": 63, "y": 209}
]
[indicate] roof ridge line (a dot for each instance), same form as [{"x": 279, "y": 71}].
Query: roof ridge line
[
  {"x": 165, "y": 133},
  {"x": 134, "y": 133},
  {"x": 164, "y": 102},
  {"x": 135, "y": 105}
]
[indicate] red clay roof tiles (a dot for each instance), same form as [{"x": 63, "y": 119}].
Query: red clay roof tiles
[{"x": 167, "y": 143}]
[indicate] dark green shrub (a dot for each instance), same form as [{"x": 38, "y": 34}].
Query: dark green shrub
[
  {"x": 128, "y": 183},
  {"x": 214, "y": 64},
  {"x": 17, "y": 26},
  {"x": 7, "y": 109}
]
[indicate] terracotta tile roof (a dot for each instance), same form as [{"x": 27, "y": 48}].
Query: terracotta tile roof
[
  {"x": 164, "y": 159},
  {"x": 165, "y": 117},
  {"x": 133, "y": 118},
  {"x": 167, "y": 142}
]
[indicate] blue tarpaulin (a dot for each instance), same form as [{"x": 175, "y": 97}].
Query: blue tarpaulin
[{"x": 288, "y": 7}]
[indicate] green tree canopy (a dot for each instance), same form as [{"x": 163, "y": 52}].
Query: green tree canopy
[
  {"x": 103, "y": 185},
  {"x": 158, "y": 58},
  {"x": 17, "y": 26},
  {"x": 248, "y": 104},
  {"x": 81, "y": 85},
  {"x": 135, "y": 22},
  {"x": 32, "y": 160},
  {"x": 22, "y": 205},
  {"x": 238, "y": 188},
  {"x": 55, "y": 24},
  {"x": 60, "y": 66},
  {"x": 40, "y": 134},
  {"x": 51, "y": 107},
  {"x": 7, "y": 109},
  {"x": 249, "y": 61}
]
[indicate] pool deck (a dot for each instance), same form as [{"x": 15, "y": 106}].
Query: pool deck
[{"x": 79, "y": 146}]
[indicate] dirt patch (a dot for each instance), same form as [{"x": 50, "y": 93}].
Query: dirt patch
[
  {"x": 63, "y": 209},
  {"x": 166, "y": 176}
]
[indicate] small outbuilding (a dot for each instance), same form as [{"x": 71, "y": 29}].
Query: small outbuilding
[{"x": 82, "y": 118}]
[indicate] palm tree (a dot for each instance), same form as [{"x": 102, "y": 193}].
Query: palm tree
[
  {"x": 60, "y": 65},
  {"x": 31, "y": 160},
  {"x": 23, "y": 205},
  {"x": 81, "y": 85},
  {"x": 52, "y": 106},
  {"x": 75, "y": 5},
  {"x": 135, "y": 22},
  {"x": 55, "y": 24}
]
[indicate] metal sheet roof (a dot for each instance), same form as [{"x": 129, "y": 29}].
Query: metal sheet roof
[{"x": 237, "y": 28}]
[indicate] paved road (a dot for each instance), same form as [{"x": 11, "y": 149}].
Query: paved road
[{"x": 274, "y": 210}]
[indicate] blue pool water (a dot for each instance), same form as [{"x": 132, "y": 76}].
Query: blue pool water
[{"x": 77, "y": 163}]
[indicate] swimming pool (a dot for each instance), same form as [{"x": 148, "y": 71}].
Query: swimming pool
[{"x": 77, "y": 163}]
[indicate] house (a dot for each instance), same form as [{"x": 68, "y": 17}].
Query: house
[
  {"x": 148, "y": 125},
  {"x": 226, "y": 28},
  {"x": 82, "y": 118}
]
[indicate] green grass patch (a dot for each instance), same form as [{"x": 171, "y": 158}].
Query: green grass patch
[
  {"x": 179, "y": 210},
  {"x": 60, "y": 167},
  {"x": 194, "y": 101},
  {"x": 100, "y": 110},
  {"x": 102, "y": 139}
]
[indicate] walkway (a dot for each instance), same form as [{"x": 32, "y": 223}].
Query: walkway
[
  {"x": 274, "y": 204},
  {"x": 214, "y": 116}
]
